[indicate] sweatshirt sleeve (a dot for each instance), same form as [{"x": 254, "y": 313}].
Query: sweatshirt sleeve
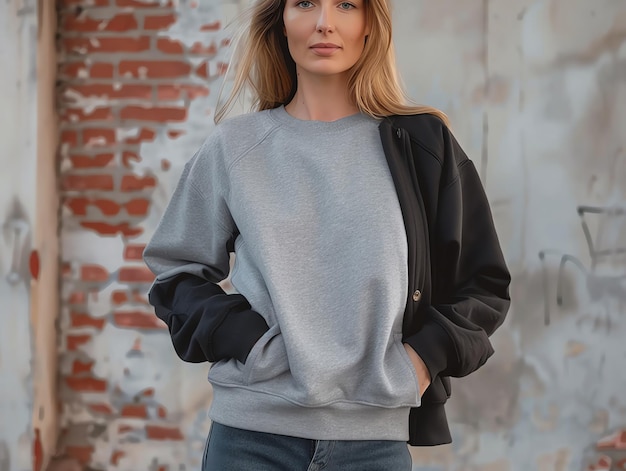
[
  {"x": 470, "y": 278},
  {"x": 189, "y": 254}
]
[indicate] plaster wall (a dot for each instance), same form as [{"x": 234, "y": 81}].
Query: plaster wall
[{"x": 18, "y": 157}]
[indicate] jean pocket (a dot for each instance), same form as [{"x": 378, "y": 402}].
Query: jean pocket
[{"x": 267, "y": 359}]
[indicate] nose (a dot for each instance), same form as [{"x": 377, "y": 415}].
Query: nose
[{"x": 324, "y": 21}]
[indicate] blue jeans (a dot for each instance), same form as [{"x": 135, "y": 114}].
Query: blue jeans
[{"x": 232, "y": 449}]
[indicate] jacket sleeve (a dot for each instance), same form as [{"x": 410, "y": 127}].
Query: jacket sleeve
[
  {"x": 189, "y": 254},
  {"x": 470, "y": 279}
]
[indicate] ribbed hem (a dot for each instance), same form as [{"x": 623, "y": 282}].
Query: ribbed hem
[
  {"x": 428, "y": 426},
  {"x": 260, "y": 412}
]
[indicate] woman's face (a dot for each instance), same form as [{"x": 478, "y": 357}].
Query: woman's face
[{"x": 325, "y": 37}]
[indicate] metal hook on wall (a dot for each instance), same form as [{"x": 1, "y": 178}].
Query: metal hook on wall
[{"x": 17, "y": 234}]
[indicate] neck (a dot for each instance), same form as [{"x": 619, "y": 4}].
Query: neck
[{"x": 321, "y": 98}]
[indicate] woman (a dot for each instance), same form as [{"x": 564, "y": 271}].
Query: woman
[{"x": 367, "y": 267}]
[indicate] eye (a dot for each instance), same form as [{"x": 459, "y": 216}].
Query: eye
[
  {"x": 346, "y": 6},
  {"x": 304, "y": 4}
]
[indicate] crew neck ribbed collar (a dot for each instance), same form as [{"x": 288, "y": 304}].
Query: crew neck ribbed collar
[{"x": 281, "y": 115}]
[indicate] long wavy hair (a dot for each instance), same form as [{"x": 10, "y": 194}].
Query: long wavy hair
[{"x": 264, "y": 65}]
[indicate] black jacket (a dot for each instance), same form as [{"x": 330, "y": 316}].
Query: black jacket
[{"x": 458, "y": 280}]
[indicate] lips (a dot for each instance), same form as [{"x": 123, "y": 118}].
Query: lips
[
  {"x": 324, "y": 49},
  {"x": 324, "y": 46}
]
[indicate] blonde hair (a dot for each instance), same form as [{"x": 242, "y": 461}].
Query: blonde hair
[{"x": 263, "y": 63}]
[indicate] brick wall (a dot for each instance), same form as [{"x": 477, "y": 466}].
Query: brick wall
[{"x": 132, "y": 76}]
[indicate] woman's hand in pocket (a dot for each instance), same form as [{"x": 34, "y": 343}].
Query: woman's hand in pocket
[{"x": 423, "y": 376}]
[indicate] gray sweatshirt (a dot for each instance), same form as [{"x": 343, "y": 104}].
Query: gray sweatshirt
[{"x": 321, "y": 255}]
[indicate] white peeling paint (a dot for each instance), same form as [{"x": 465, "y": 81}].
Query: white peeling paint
[{"x": 18, "y": 85}]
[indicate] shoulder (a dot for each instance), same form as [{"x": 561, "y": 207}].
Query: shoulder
[
  {"x": 245, "y": 129},
  {"x": 431, "y": 133},
  {"x": 234, "y": 136}
]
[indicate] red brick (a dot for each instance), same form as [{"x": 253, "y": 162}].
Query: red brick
[
  {"x": 119, "y": 297},
  {"x": 79, "y": 367},
  {"x": 115, "y": 457},
  {"x": 148, "y": 392},
  {"x": 79, "y": 319},
  {"x": 194, "y": 91},
  {"x": 143, "y": 4},
  {"x": 215, "y": 26},
  {"x": 80, "y": 453},
  {"x": 135, "y": 183},
  {"x": 96, "y": 161},
  {"x": 118, "y": 23},
  {"x": 102, "y": 70},
  {"x": 87, "y": 182},
  {"x": 86, "y": 384},
  {"x": 107, "y": 207},
  {"x": 140, "y": 297},
  {"x": 159, "y": 22},
  {"x": 203, "y": 70},
  {"x": 77, "y": 297},
  {"x": 135, "y": 275},
  {"x": 66, "y": 270},
  {"x": 165, "y": 165},
  {"x": 169, "y": 92},
  {"x": 78, "y": 114},
  {"x": 124, "y": 428},
  {"x": 129, "y": 91},
  {"x": 162, "y": 412},
  {"x": 74, "y": 69},
  {"x": 94, "y": 273},
  {"x": 134, "y": 251},
  {"x": 139, "y": 411},
  {"x": 174, "y": 91},
  {"x": 82, "y": 70},
  {"x": 156, "y": 432},
  {"x": 74, "y": 341},
  {"x": 98, "y": 137},
  {"x": 128, "y": 156},
  {"x": 199, "y": 48},
  {"x": 78, "y": 206},
  {"x": 175, "y": 133},
  {"x": 155, "y": 69},
  {"x": 69, "y": 137},
  {"x": 137, "y": 207},
  {"x": 222, "y": 68},
  {"x": 144, "y": 135},
  {"x": 157, "y": 114},
  {"x": 104, "y": 228},
  {"x": 170, "y": 46},
  {"x": 138, "y": 320},
  {"x": 91, "y": 45},
  {"x": 100, "y": 408}
]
